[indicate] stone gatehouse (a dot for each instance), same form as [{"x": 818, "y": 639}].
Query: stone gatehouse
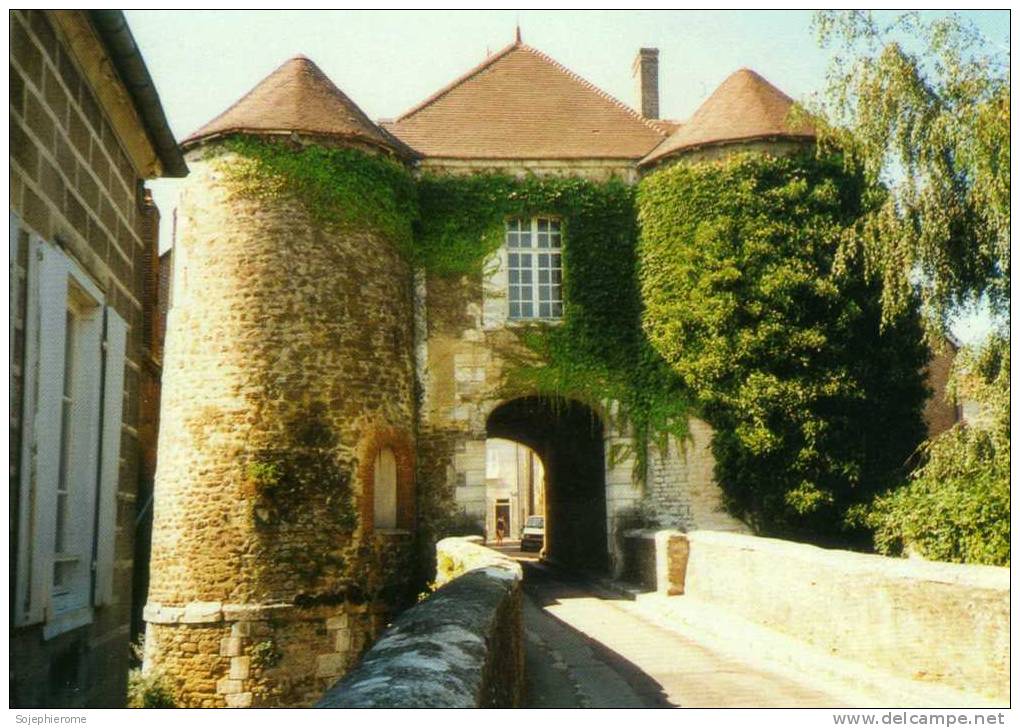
[{"x": 293, "y": 348}]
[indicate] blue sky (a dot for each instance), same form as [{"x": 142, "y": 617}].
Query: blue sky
[{"x": 387, "y": 61}]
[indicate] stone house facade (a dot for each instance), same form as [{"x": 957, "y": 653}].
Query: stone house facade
[
  {"x": 514, "y": 487},
  {"x": 582, "y": 132},
  {"x": 86, "y": 132},
  {"x": 313, "y": 380}
]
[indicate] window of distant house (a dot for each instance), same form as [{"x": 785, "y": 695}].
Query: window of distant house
[{"x": 534, "y": 268}]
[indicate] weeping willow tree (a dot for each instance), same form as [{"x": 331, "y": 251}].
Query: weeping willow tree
[{"x": 922, "y": 105}]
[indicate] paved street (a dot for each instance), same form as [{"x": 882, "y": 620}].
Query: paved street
[{"x": 587, "y": 647}]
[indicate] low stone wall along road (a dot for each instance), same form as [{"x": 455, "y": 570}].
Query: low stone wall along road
[{"x": 588, "y": 647}]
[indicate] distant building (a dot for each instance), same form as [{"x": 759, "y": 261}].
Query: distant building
[
  {"x": 514, "y": 487},
  {"x": 939, "y": 413},
  {"x": 87, "y": 130}
]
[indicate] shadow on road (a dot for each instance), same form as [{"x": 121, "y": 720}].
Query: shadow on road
[
  {"x": 569, "y": 668},
  {"x": 538, "y": 568}
]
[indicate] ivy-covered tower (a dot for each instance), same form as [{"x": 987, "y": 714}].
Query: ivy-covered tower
[
  {"x": 284, "y": 499},
  {"x": 814, "y": 403}
]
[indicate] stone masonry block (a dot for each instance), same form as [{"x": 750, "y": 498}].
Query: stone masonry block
[
  {"x": 228, "y": 686},
  {"x": 158, "y": 614},
  {"x": 239, "y": 700},
  {"x": 248, "y": 612},
  {"x": 343, "y": 640},
  {"x": 231, "y": 646},
  {"x": 671, "y": 553},
  {"x": 330, "y": 665},
  {"x": 199, "y": 612},
  {"x": 240, "y": 667},
  {"x": 337, "y": 622}
]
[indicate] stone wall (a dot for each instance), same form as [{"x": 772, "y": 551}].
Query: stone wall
[
  {"x": 656, "y": 560},
  {"x": 212, "y": 655},
  {"x": 463, "y": 342},
  {"x": 74, "y": 184},
  {"x": 681, "y": 489},
  {"x": 946, "y": 624},
  {"x": 939, "y": 413},
  {"x": 288, "y": 366},
  {"x": 463, "y": 647},
  {"x": 679, "y": 493},
  {"x": 599, "y": 170}
]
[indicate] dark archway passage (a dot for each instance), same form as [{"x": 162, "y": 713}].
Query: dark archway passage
[{"x": 568, "y": 438}]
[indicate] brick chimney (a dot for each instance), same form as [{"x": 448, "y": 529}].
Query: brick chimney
[{"x": 646, "y": 72}]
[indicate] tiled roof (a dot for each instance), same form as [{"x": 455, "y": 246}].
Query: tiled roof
[
  {"x": 743, "y": 108},
  {"x": 667, "y": 126},
  {"x": 299, "y": 97},
  {"x": 521, "y": 104}
]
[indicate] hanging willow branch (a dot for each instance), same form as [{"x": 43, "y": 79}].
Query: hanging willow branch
[{"x": 923, "y": 107}]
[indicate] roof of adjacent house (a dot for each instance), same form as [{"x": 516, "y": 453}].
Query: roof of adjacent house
[
  {"x": 127, "y": 61},
  {"x": 298, "y": 97},
  {"x": 745, "y": 107},
  {"x": 521, "y": 104}
]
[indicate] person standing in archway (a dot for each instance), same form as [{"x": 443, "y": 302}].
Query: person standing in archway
[{"x": 500, "y": 530}]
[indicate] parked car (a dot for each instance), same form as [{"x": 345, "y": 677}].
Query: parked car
[{"x": 533, "y": 533}]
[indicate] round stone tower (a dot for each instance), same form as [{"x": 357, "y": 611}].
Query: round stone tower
[
  {"x": 284, "y": 492},
  {"x": 745, "y": 114}
]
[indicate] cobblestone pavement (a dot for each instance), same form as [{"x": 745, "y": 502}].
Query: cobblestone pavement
[{"x": 590, "y": 648}]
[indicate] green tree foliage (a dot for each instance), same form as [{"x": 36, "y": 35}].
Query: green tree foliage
[
  {"x": 923, "y": 106},
  {"x": 956, "y": 506},
  {"x": 814, "y": 407}
]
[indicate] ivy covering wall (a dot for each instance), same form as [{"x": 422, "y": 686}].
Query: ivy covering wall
[
  {"x": 450, "y": 225},
  {"x": 599, "y": 352},
  {"x": 341, "y": 186},
  {"x": 814, "y": 407},
  {"x": 728, "y": 307}
]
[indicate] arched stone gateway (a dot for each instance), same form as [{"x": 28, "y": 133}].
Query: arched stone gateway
[{"x": 568, "y": 437}]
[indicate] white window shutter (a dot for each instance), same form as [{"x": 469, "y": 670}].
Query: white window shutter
[
  {"x": 42, "y": 468},
  {"x": 23, "y": 554},
  {"x": 109, "y": 480}
]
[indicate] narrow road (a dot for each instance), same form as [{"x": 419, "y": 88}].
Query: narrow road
[{"x": 590, "y": 648}]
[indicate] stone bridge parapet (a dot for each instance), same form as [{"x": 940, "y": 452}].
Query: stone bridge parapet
[
  {"x": 928, "y": 623},
  {"x": 462, "y": 647}
]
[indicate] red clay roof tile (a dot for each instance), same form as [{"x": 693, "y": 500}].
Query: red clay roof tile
[
  {"x": 299, "y": 97},
  {"x": 743, "y": 108},
  {"x": 521, "y": 104}
]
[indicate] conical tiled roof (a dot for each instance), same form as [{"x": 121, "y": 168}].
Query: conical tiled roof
[
  {"x": 744, "y": 107},
  {"x": 521, "y": 104},
  {"x": 299, "y": 97}
]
